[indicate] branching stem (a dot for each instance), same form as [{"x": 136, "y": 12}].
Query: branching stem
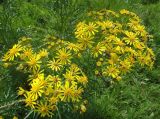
[{"x": 11, "y": 104}]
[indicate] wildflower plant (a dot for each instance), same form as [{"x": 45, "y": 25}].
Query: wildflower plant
[
  {"x": 116, "y": 41},
  {"x": 53, "y": 77}
]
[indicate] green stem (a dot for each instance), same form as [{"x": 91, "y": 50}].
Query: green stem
[
  {"x": 28, "y": 114},
  {"x": 11, "y": 104},
  {"x": 59, "y": 113}
]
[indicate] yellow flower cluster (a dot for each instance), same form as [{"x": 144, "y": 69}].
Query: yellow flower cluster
[
  {"x": 54, "y": 78},
  {"x": 116, "y": 42}
]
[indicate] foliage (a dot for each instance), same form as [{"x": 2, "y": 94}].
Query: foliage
[
  {"x": 149, "y": 1},
  {"x": 127, "y": 99},
  {"x": 37, "y": 19}
]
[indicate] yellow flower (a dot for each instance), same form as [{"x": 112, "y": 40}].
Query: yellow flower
[
  {"x": 69, "y": 76},
  {"x": 118, "y": 78},
  {"x": 98, "y": 49},
  {"x": 44, "y": 109},
  {"x": 139, "y": 28},
  {"x": 29, "y": 100},
  {"x": 131, "y": 59},
  {"x": 115, "y": 44},
  {"x": 119, "y": 50},
  {"x": 74, "y": 47},
  {"x": 145, "y": 59},
  {"x": 112, "y": 71},
  {"x": 125, "y": 66},
  {"x": 36, "y": 74},
  {"x": 91, "y": 29},
  {"x": 27, "y": 52},
  {"x": 139, "y": 45},
  {"x": 83, "y": 108},
  {"x": 133, "y": 23},
  {"x": 96, "y": 72},
  {"x": 37, "y": 89},
  {"x": 119, "y": 42},
  {"x": 53, "y": 100},
  {"x": 82, "y": 79},
  {"x": 131, "y": 51},
  {"x": 67, "y": 91},
  {"x": 99, "y": 63},
  {"x": 75, "y": 69},
  {"x": 49, "y": 90},
  {"x": 101, "y": 59},
  {"x": 63, "y": 56},
  {"x": 34, "y": 62},
  {"x": 150, "y": 51},
  {"x": 21, "y": 91},
  {"x": 113, "y": 58},
  {"x": 124, "y": 11},
  {"x": 105, "y": 24},
  {"x": 43, "y": 53},
  {"x": 6, "y": 65},
  {"x": 77, "y": 94},
  {"x": 24, "y": 40},
  {"x": 55, "y": 65},
  {"x": 131, "y": 38},
  {"x": 112, "y": 13},
  {"x": 85, "y": 42},
  {"x": 20, "y": 67},
  {"x": 80, "y": 30},
  {"x": 12, "y": 53},
  {"x": 111, "y": 38},
  {"x": 53, "y": 79},
  {"x": 109, "y": 48}
]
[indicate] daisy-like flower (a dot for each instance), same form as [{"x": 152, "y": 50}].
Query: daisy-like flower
[
  {"x": 119, "y": 42},
  {"x": 77, "y": 94},
  {"x": 53, "y": 79},
  {"x": 74, "y": 47},
  {"x": 12, "y": 53},
  {"x": 75, "y": 69},
  {"x": 125, "y": 66},
  {"x": 80, "y": 29},
  {"x": 34, "y": 62},
  {"x": 131, "y": 38},
  {"x": 98, "y": 49},
  {"x": 44, "y": 109},
  {"x": 27, "y": 52},
  {"x": 105, "y": 24},
  {"x": 114, "y": 58},
  {"x": 91, "y": 29},
  {"x": 67, "y": 91},
  {"x": 43, "y": 53},
  {"x": 55, "y": 65},
  {"x": 36, "y": 89},
  {"x": 83, "y": 79},
  {"x": 63, "y": 56},
  {"x": 85, "y": 42},
  {"x": 29, "y": 100},
  {"x": 53, "y": 100},
  {"x": 69, "y": 76},
  {"x": 112, "y": 71}
]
